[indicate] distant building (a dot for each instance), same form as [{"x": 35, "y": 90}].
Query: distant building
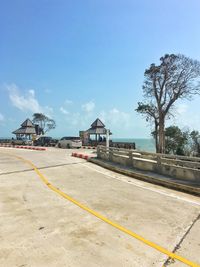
[
  {"x": 95, "y": 135},
  {"x": 27, "y": 129}
]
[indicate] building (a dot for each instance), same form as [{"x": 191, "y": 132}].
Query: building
[
  {"x": 95, "y": 135},
  {"x": 27, "y": 130}
]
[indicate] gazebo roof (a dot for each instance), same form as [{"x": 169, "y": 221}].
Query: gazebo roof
[
  {"x": 24, "y": 130},
  {"x": 27, "y": 127},
  {"x": 97, "y": 127},
  {"x": 97, "y": 123},
  {"x": 27, "y": 123}
]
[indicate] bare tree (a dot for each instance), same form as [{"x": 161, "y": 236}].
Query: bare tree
[{"x": 177, "y": 77}]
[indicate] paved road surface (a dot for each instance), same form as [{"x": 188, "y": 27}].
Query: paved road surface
[{"x": 40, "y": 228}]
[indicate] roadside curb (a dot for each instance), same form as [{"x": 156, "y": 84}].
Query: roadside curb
[
  {"x": 82, "y": 156},
  {"x": 25, "y": 147},
  {"x": 147, "y": 178}
]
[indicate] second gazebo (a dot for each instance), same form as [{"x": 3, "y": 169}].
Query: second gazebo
[{"x": 97, "y": 132}]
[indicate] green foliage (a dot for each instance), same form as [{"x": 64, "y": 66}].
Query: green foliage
[
  {"x": 181, "y": 142},
  {"x": 148, "y": 110},
  {"x": 176, "y": 140},
  {"x": 44, "y": 122},
  {"x": 195, "y": 137}
]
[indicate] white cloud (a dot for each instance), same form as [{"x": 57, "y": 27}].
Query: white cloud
[
  {"x": 116, "y": 118},
  {"x": 27, "y": 101},
  {"x": 66, "y": 103},
  {"x": 1, "y": 117},
  {"x": 47, "y": 111},
  {"x": 64, "y": 111},
  {"x": 77, "y": 120},
  {"x": 186, "y": 116},
  {"x": 23, "y": 102},
  {"x": 89, "y": 106},
  {"x": 113, "y": 119}
]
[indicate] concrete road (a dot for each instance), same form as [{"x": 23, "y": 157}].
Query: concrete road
[{"x": 40, "y": 228}]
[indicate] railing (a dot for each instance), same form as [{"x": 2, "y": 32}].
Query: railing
[{"x": 171, "y": 165}]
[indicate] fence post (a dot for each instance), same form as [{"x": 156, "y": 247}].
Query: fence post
[
  {"x": 110, "y": 154},
  {"x": 159, "y": 163},
  {"x": 98, "y": 152},
  {"x": 130, "y": 159}
]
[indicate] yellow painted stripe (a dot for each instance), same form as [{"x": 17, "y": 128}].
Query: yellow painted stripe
[{"x": 116, "y": 225}]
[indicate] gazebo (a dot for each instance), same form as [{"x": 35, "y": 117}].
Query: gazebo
[
  {"x": 27, "y": 129},
  {"x": 96, "y": 134}
]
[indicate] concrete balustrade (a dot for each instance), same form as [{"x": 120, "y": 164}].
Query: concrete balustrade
[{"x": 178, "y": 167}]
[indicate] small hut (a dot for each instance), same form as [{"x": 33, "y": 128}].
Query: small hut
[
  {"x": 27, "y": 130},
  {"x": 96, "y": 134}
]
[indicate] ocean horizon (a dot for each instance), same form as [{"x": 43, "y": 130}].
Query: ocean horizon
[{"x": 142, "y": 144}]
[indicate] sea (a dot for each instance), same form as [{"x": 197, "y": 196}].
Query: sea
[{"x": 142, "y": 144}]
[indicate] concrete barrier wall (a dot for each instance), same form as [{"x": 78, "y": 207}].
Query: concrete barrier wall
[
  {"x": 184, "y": 168},
  {"x": 179, "y": 172},
  {"x": 144, "y": 165}
]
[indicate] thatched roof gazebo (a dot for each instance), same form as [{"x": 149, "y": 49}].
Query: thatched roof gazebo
[{"x": 27, "y": 129}]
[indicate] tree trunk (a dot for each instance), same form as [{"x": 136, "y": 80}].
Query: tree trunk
[
  {"x": 161, "y": 134},
  {"x": 156, "y": 137}
]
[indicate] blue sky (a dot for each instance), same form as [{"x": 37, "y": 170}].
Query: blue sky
[{"x": 78, "y": 60}]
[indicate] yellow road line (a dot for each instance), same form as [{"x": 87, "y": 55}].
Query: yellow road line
[{"x": 116, "y": 225}]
